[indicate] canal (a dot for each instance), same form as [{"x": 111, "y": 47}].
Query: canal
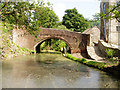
[{"x": 48, "y": 70}]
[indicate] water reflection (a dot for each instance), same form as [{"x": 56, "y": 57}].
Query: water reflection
[
  {"x": 108, "y": 81},
  {"x": 52, "y": 71}
]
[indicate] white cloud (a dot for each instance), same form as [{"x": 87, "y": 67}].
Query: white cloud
[{"x": 59, "y": 9}]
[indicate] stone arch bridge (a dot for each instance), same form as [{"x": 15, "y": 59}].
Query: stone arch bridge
[{"x": 77, "y": 42}]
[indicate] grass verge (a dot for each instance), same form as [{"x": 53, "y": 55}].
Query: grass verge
[{"x": 99, "y": 65}]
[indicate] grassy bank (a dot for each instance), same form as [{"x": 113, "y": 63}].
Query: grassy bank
[
  {"x": 50, "y": 51},
  {"x": 112, "y": 68}
]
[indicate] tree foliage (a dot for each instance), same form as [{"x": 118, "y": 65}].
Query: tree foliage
[
  {"x": 74, "y": 21},
  {"x": 28, "y": 14},
  {"x": 61, "y": 27},
  {"x": 17, "y": 13},
  {"x": 95, "y": 21},
  {"x": 96, "y": 16},
  {"x": 45, "y": 16},
  {"x": 53, "y": 44}
]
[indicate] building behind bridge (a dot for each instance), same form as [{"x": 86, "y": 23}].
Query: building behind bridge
[{"x": 110, "y": 28}]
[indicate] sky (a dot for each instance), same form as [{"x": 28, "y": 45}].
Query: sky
[{"x": 85, "y": 7}]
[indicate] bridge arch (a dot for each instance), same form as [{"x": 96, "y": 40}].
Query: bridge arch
[
  {"x": 37, "y": 45},
  {"x": 72, "y": 39}
]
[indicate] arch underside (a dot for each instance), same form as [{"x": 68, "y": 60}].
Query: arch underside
[{"x": 37, "y": 46}]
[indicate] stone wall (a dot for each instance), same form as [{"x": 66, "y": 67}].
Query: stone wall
[
  {"x": 103, "y": 46},
  {"x": 94, "y": 35},
  {"x": 23, "y": 38}
]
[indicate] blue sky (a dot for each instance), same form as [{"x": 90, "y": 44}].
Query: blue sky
[{"x": 85, "y": 7}]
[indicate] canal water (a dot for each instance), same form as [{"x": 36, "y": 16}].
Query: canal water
[{"x": 47, "y": 70}]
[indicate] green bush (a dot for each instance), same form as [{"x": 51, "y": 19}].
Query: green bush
[
  {"x": 110, "y": 53},
  {"x": 61, "y": 27}
]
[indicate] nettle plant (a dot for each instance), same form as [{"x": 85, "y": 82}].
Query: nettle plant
[{"x": 110, "y": 53}]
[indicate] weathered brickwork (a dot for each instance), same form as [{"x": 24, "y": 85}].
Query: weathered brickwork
[{"x": 76, "y": 41}]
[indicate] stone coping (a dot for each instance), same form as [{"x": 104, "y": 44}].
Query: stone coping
[{"x": 109, "y": 45}]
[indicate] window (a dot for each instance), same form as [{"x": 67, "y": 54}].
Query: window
[
  {"x": 104, "y": 8},
  {"x": 118, "y": 28}
]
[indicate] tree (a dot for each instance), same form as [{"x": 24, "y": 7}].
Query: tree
[
  {"x": 28, "y": 14},
  {"x": 95, "y": 21},
  {"x": 17, "y": 13},
  {"x": 74, "y": 21},
  {"x": 45, "y": 17},
  {"x": 96, "y": 16}
]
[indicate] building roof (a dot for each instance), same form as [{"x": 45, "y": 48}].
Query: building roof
[{"x": 91, "y": 30}]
